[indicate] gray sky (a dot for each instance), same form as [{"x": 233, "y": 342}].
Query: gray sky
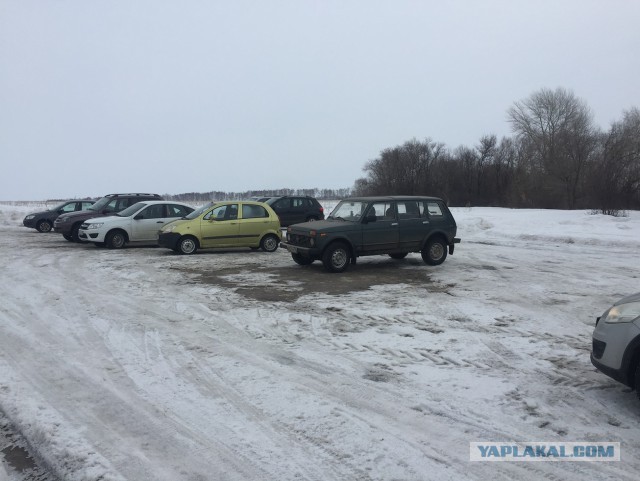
[{"x": 164, "y": 96}]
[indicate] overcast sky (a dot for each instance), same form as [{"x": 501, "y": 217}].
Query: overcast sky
[{"x": 177, "y": 96}]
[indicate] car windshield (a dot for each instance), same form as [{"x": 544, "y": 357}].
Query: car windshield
[
  {"x": 100, "y": 204},
  {"x": 132, "y": 209},
  {"x": 196, "y": 213},
  {"x": 348, "y": 210}
]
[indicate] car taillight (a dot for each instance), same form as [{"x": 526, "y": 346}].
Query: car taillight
[{"x": 322, "y": 209}]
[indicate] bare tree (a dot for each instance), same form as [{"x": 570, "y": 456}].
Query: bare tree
[
  {"x": 559, "y": 131},
  {"x": 617, "y": 175}
]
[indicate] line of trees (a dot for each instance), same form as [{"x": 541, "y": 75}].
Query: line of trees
[
  {"x": 557, "y": 158},
  {"x": 321, "y": 194}
]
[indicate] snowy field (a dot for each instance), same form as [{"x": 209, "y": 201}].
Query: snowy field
[{"x": 141, "y": 364}]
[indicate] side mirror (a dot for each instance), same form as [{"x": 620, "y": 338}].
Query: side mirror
[
  {"x": 138, "y": 217},
  {"x": 370, "y": 218}
]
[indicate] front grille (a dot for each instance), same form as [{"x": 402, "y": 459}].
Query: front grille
[
  {"x": 598, "y": 348},
  {"x": 300, "y": 240}
]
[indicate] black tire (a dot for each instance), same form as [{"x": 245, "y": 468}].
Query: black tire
[
  {"x": 399, "y": 255},
  {"x": 636, "y": 379},
  {"x": 435, "y": 252},
  {"x": 270, "y": 243},
  {"x": 44, "y": 226},
  {"x": 187, "y": 245},
  {"x": 115, "y": 239},
  {"x": 68, "y": 237},
  {"x": 336, "y": 257},
  {"x": 302, "y": 260},
  {"x": 74, "y": 233}
]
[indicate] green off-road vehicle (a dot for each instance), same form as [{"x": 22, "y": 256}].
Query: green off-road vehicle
[{"x": 366, "y": 226}]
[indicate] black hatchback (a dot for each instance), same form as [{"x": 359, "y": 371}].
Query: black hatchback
[
  {"x": 293, "y": 209},
  {"x": 43, "y": 221}
]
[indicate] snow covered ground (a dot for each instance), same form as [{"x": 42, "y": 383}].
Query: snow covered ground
[{"x": 141, "y": 364}]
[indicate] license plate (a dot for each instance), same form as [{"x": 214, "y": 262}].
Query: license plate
[{"x": 292, "y": 249}]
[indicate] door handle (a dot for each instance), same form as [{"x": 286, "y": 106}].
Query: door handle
[
  {"x": 394, "y": 223},
  {"x": 160, "y": 222},
  {"x": 425, "y": 221}
]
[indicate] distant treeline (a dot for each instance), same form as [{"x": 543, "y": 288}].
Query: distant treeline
[
  {"x": 558, "y": 158},
  {"x": 322, "y": 194}
]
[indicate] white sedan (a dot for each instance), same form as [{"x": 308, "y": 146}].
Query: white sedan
[{"x": 137, "y": 224}]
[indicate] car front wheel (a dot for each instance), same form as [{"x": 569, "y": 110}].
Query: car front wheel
[
  {"x": 435, "y": 252},
  {"x": 115, "y": 239},
  {"x": 187, "y": 245},
  {"x": 336, "y": 257},
  {"x": 44, "y": 226},
  {"x": 269, "y": 243}
]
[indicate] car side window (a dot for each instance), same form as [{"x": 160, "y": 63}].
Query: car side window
[
  {"x": 281, "y": 204},
  {"x": 69, "y": 207},
  {"x": 177, "y": 210},
  {"x": 383, "y": 210},
  {"x": 86, "y": 205},
  {"x": 254, "y": 211},
  {"x": 408, "y": 210},
  {"x": 223, "y": 212},
  {"x": 434, "y": 209},
  {"x": 153, "y": 212},
  {"x": 298, "y": 203}
]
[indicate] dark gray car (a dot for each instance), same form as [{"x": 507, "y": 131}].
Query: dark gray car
[
  {"x": 366, "y": 226},
  {"x": 43, "y": 221}
]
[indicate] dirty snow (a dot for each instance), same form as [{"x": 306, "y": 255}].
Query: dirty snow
[{"x": 144, "y": 365}]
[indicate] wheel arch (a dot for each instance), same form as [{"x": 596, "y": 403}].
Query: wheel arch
[
  {"x": 434, "y": 235},
  {"x": 342, "y": 240},
  {"x": 631, "y": 361},
  {"x": 116, "y": 229}
]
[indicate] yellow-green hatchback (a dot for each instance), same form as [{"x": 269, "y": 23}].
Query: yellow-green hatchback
[{"x": 223, "y": 225}]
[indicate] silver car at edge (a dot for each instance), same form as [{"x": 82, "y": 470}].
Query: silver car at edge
[{"x": 616, "y": 342}]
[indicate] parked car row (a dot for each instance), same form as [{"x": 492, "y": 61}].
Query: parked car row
[{"x": 357, "y": 227}]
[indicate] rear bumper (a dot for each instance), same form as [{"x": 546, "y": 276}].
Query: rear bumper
[{"x": 456, "y": 240}]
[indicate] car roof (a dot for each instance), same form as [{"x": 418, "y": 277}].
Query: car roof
[
  {"x": 391, "y": 197},
  {"x": 152, "y": 202}
]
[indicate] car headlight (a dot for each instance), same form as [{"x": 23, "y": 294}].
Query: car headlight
[
  {"x": 167, "y": 229},
  {"x": 62, "y": 220},
  {"x": 29, "y": 217},
  {"x": 623, "y": 313},
  {"x": 97, "y": 225}
]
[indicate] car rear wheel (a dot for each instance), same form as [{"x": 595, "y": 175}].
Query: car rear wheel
[
  {"x": 301, "y": 260},
  {"x": 116, "y": 239},
  {"x": 336, "y": 257},
  {"x": 399, "y": 255},
  {"x": 269, "y": 243},
  {"x": 44, "y": 226},
  {"x": 435, "y": 252},
  {"x": 187, "y": 245}
]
